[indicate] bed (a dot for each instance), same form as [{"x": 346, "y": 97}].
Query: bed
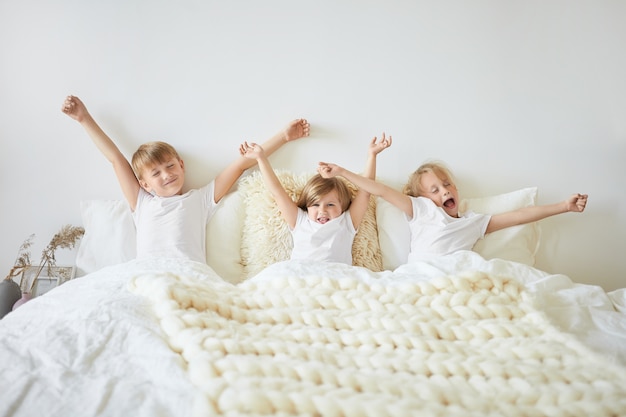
[{"x": 479, "y": 332}]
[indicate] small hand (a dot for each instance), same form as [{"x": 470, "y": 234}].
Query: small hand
[
  {"x": 250, "y": 150},
  {"x": 577, "y": 203},
  {"x": 377, "y": 147},
  {"x": 327, "y": 170},
  {"x": 296, "y": 129},
  {"x": 73, "y": 107}
]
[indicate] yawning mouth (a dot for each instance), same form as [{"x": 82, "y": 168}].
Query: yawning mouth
[{"x": 449, "y": 203}]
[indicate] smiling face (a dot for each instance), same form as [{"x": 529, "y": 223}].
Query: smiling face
[
  {"x": 326, "y": 208},
  {"x": 164, "y": 179},
  {"x": 324, "y": 199},
  {"x": 442, "y": 191},
  {"x": 159, "y": 169}
]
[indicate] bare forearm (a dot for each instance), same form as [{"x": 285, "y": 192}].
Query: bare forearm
[
  {"x": 225, "y": 180},
  {"x": 273, "y": 143},
  {"x": 269, "y": 147},
  {"x": 359, "y": 204},
  {"x": 370, "y": 167},
  {"x": 535, "y": 213},
  {"x": 525, "y": 215},
  {"x": 287, "y": 207},
  {"x": 102, "y": 141},
  {"x": 367, "y": 184},
  {"x": 398, "y": 199},
  {"x": 270, "y": 179}
]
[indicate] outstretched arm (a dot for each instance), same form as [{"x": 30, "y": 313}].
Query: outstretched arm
[
  {"x": 398, "y": 199},
  {"x": 74, "y": 108},
  {"x": 576, "y": 203},
  {"x": 359, "y": 205},
  {"x": 288, "y": 208},
  {"x": 224, "y": 181}
]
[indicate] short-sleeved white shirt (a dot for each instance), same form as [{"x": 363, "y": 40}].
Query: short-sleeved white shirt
[
  {"x": 174, "y": 227},
  {"x": 434, "y": 232},
  {"x": 329, "y": 242}
]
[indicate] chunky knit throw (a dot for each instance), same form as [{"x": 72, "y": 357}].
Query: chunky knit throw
[{"x": 316, "y": 345}]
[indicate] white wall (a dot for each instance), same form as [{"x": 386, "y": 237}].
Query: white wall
[{"x": 510, "y": 94}]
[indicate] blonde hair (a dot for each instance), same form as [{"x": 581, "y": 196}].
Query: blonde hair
[
  {"x": 151, "y": 153},
  {"x": 317, "y": 186},
  {"x": 414, "y": 186}
]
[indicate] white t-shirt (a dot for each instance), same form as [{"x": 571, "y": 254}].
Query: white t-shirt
[
  {"x": 329, "y": 242},
  {"x": 174, "y": 227},
  {"x": 434, "y": 232}
]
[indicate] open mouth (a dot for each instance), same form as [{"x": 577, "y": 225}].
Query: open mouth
[
  {"x": 449, "y": 203},
  {"x": 323, "y": 220}
]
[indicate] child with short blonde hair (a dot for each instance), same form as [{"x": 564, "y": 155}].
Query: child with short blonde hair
[{"x": 170, "y": 223}]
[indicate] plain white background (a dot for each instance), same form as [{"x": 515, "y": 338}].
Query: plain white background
[{"x": 510, "y": 94}]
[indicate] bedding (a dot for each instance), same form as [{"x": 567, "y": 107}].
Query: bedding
[
  {"x": 458, "y": 335},
  {"x": 477, "y": 332},
  {"x": 90, "y": 347}
]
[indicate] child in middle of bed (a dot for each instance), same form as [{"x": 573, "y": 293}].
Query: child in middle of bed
[
  {"x": 325, "y": 219},
  {"x": 430, "y": 202}
]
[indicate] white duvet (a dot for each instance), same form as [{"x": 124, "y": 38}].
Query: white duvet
[
  {"x": 107, "y": 344},
  {"x": 90, "y": 348}
]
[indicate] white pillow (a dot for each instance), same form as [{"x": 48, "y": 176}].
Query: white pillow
[
  {"x": 266, "y": 238},
  {"x": 517, "y": 243},
  {"x": 223, "y": 238},
  {"x": 110, "y": 236},
  {"x": 394, "y": 235}
]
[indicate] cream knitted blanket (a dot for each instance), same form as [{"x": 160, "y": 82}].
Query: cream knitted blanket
[{"x": 321, "y": 345}]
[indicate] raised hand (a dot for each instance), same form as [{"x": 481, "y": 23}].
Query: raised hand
[
  {"x": 251, "y": 150},
  {"x": 328, "y": 170},
  {"x": 577, "y": 203},
  {"x": 377, "y": 147},
  {"x": 74, "y": 107},
  {"x": 296, "y": 129}
]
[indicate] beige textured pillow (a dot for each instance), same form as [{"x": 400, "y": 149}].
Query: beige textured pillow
[
  {"x": 266, "y": 238},
  {"x": 516, "y": 243}
]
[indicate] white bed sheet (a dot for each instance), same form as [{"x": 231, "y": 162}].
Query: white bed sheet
[{"x": 93, "y": 348}]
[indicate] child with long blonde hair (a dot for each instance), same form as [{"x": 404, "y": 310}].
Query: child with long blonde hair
[{"x": 430, "y": 202}]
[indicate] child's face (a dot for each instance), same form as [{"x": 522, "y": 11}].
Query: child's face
[
  {"x": 165, "y": 179},
  {"x": 442, "y": 192},
  {"x": 328, "y": 207}
]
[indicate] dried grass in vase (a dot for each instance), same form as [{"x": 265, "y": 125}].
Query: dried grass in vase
[
  {"x": 66, "y": 238},
  {"x": 23, "y": 258}
]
